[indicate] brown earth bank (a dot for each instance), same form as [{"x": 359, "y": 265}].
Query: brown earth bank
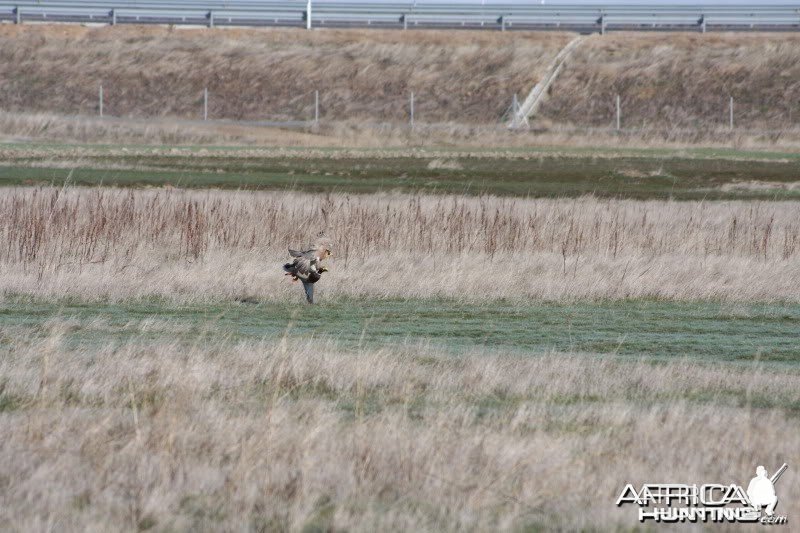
[
  {"x": 669, "y": 81},
  {"x": 681, "y": 80},
  {"x": 252, "y": 74}
]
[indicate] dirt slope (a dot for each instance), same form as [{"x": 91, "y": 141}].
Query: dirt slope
[
  {"x": 664, "y": 80},
  {"x": 681, "y": 80},
  {"x": 254, "y": 74}
]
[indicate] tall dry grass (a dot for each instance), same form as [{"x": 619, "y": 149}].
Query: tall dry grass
[
  {"x": 189, "y": 245},
  {"x": 274, "y": 436}
]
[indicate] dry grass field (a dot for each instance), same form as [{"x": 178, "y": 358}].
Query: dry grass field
[
  {"x": 305, "y": 436},
  {"x": 87, "y": 129},
  {"x": 191, "y": 412},
  {"x": 207, "y": 245},
  {"x": 513, "y": 325},
  {"x": 18, "y": 127}
]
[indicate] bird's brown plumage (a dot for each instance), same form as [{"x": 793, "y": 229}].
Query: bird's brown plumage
[{"x": 307, "y": 266}]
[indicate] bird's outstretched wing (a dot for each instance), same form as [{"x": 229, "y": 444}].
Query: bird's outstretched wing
[{"x": 309, "y": 287}]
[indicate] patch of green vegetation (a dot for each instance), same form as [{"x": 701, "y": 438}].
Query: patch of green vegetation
[
  {"x": 82, "y": 500},
  {"x": 146, "y": 523},
  {"x": 203, "y": 508},
  {"x": 489, "y": 405},
  {"x": 8, "y": 400},
  {"x": 679, "y": 175},
  {"x": 321, "y": 518},
  {"x": 764, "y": 332}
]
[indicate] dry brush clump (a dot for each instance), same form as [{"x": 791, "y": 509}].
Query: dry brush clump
[
  {"x": 287, "y": 434},
  {"x": 190, "y": 245}
]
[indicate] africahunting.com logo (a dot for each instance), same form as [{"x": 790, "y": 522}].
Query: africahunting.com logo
[{"x": 714, "y": 502}]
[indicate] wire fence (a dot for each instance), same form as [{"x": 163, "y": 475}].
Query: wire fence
[
  {"x": 731, "y": 115},
  {"x": 308, "y": 110}
]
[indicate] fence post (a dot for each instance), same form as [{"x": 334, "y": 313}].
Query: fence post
[
  {"x": 100, "y": 98},
  {"x": 205, "y": 103},
  {"x": 412, "y": 109},
  {"x": 730, "y": 113},
  {"x": 619, "y": 113},
  {"x": 308, "y": 15},
  {"x": 515, "y": 112},
  {"x": 316, "y": 108}
]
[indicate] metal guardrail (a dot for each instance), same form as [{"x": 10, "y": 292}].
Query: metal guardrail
[{"x": 410, "y": 14}]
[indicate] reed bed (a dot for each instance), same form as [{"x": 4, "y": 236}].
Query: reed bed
[{"x": 190, "y": 245}]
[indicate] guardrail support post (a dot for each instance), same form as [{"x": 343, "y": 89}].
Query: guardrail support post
[
  {"x": 210, "y": 19},
  {"x": 619, "y": 113},
  {"x": 316, "y": 108},
  {"x": 18, "y": 15},
  {"x": 405, "y": 22},
  {"x": 702, "y": 24},
  {"x": 205, "y": 103},
  {"x": 113, "y": 17},
  {"x": 602, "y": 22},
  {"x": 730, "y": 113},
  {"x": 502, "y": 23},
  {"x": 100, "y": 100},
  {"x": 308, "y": 15}
]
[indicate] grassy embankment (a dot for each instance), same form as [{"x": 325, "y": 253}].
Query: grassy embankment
[
  {"x": 668, "y": 81},
  {"x": 676, "y": 87}
]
